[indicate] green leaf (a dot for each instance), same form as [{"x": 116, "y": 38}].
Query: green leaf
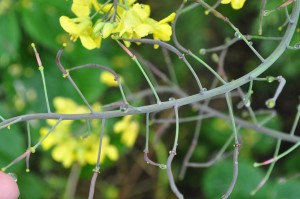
[
  {"x": 31, "y": 186},
  {"x": 41, "y": 21},
  {"x": 217, "y": 179},
  {"x": 287, "y": 190},
  {"x": 11, "y": 147},
  {"x": 217, "y": 131},
  {"x": 9, "y": 38}
]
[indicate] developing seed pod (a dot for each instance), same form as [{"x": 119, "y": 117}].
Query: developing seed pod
[
  {"x": 270, "y": 103},
  {"x": 98, "y": 26},
  {"x": 107, "y": 29}
]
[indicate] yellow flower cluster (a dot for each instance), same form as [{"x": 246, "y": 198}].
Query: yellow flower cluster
[
  {"x": 68, "y": 148},
  {"x": 129, "y": 130},
  {"x": 128, "y": 20},
  {"x": 235, "y": 4}
]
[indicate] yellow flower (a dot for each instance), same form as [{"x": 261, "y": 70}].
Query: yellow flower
[
  {"x": 66, "y": 105},
  {"x": 132, "y": 24},
  {"x": 108, "y": 78},
  {"x": 130, "y": 20},
  {"x": 136, "y": 23},
  {"x": 235, "y": 4},
  {"x": 162, "y": 30},
  {"x": 81, "y": 27},
  {"x": 83, "y": 151},
  {"x": 68, "y": 148},
  {"x": 129, "y": 130},
  {"x": 129, "y": 2}
]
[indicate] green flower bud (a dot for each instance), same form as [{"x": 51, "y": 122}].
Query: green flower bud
[
  {"x": 270, "y": 103},
  {"x": 98, "y": 26},
  {"x": 107, "y": 29}
]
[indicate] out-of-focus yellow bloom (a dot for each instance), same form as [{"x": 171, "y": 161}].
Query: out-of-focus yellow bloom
[
  {"x": 5, "y": 5},
  {"x": 67, "y": 105},
  {"x": 108, "y": 78},
  {"x": 132, "y": 22},
  {"x": 129, "y": 130},
  {"x": 83, "y": 7},
  {"x": 68, "y": 148},
  {"x": 235, "y": 4}
]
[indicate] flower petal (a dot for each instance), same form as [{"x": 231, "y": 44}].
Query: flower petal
[
  {"x": 163, "y": 32},
  {"x": 80, "y": 9},
  {"x": 120, "y": 126},
  {"x": 68, "y": 25},
  {"x": 225, "y": 1},
  {"x": 169, "y": 18},
  {"x": 143, "y": 30},
  {"x": 88, "y": 42},
  {"x": 108, "y": 79},
  {"x": 237, "y": 4},
  {"x": 142, "y": 10},
  {"x": 112, "y": 152}
]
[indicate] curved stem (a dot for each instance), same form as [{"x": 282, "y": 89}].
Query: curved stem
[
  {"x": 275, "y": 159},
  {"x": 265, "y": 179},
  {"x": 171, "y": 178},
  {"x": 67, "y": 75},
  {"x": 214, "y": 159}
]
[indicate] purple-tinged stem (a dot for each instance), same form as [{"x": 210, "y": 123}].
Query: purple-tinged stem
[
  {"x": 92, "y": 186},
  {"x": 170, "y": 176},
  {"x": 24, "y": 155}
]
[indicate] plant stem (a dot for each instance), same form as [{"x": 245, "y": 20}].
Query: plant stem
[
  {"x": 176, "y": 129},
  {"x": 45, "y": 136},
  {"x": 72, "y": 181},
  {"x": 148, "y": 80}
]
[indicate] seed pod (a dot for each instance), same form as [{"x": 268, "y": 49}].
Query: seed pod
[
  {"x": 98, "y": 26},
  {"x": 107, "y": 29}
]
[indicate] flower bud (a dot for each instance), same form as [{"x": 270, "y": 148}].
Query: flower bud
[
  {"x": 98, "y": 26},
  {"x": 107, "y": 29}
]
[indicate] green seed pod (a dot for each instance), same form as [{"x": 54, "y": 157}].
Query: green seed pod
[
  {"x": 270, "y": 79},
  {"x": 270, "y": 103},
  {"x": 98, "y": 26},
  {"x": 107, "y": 29}
]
